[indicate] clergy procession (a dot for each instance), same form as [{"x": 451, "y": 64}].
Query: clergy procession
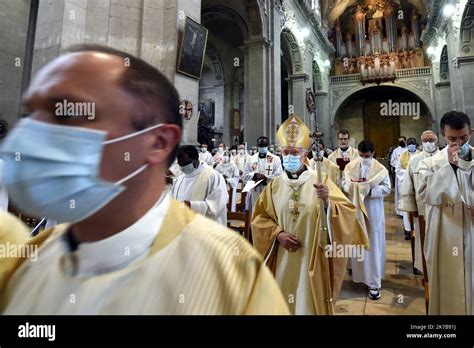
[{"x": 141, "y": 222}]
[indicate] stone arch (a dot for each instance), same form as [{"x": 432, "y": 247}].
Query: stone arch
[
  {"x": 255, "y": 11},
  {"x": 213, "y": 62},
  {"x": 290, "y": 44},
  {"x": 360, "y": 112},
  {"x": 224, "y": 13},
  {"x": 348, "y": 94},
  {"x": 467, "y": 30}
]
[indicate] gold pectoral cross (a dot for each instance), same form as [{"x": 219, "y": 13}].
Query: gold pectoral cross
[{"x": 294, "y": 209}]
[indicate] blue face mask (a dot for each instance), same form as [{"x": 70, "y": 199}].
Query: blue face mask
[
  {"x": 292, "y": 163},
  {"x": 53, "y": 171},
  {"x": 465, "y": 149},
  {"x": 412, "y": 147},
  {"x": 263, "y": 150}
]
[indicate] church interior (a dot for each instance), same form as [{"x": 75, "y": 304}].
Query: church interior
[{"x": 243, "y": 68}]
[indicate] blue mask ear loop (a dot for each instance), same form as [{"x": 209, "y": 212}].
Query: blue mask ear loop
[{"x": 125, "y": 137}]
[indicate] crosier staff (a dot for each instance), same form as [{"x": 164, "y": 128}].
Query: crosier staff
[{"x": 323, "y": 233}]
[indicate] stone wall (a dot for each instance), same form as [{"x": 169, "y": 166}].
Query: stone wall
[{"x": 13, "y": 32}]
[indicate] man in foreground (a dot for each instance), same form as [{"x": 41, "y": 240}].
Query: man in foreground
[
  {"x": 447, "y": 189},
  {"x": 126, "y": 246}
]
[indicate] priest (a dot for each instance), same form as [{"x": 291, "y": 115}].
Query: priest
[
  {"x": 287, "y": 222},
  {"x": 367, "y": 182},
  {"x": 125, "y": 246},
  {"x": 200, "y": 187},
  {"x": 230, "y": 173},
  {"x": 343, "y": 154},
  {"x": 241, "y": 159},
  {"x": 447, "y": 189},
  {"x": 400, "y": 168},
  {"x": 205, "y": 156},
  {"x": 409, "y": 201},
  {"x": 394, "y": 158},
  {"x": 328, "y": 167},
  {"x": 262, "y": 167}
]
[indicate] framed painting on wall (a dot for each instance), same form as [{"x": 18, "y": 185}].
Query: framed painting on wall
[{"x": 193, "y": 49}]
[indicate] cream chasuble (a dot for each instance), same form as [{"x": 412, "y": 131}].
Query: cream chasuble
[
  {"x": 400, "y": 168},
  {"x": 300, "y": 274},
  {"x": 409, "y": 201},
  {"x": 191, "y": 266},
  {"x": 449, "y": 233},
  {"x": 328, "y": 167}
]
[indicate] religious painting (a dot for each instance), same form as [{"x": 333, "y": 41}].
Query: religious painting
[
  {"x": 192, "y": 50},
  {"x": 205, "y": 122}
]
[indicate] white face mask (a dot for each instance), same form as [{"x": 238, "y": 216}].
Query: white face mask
[
  {"x": 241, "y": 151},
  {"x": 430, "y": 147},
  {"x": 204, "y": 149},
  {"x": 188, "y": 169},
  {"x": 366, "y": 162},
  {"x": 226, "y": 159},
  {"x": 221, "y": 150}
]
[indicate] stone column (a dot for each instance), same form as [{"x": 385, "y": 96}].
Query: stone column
[
  {"x": 275, "y": 70},
  {"x": 188, "y": 87},
  {"x": 257, "y": 108},
  {"x": 13, "y": 58},
  {"x": 463, "y": 86},
  {"x": 298, "y": 96}
]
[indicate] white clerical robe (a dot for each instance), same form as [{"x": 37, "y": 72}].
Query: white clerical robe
[
  {"x": 410, "y": 201},
  {"x": 368, "y": 197},
  {"x": 230, "y": 172},
  {"x": 172, "y": 261},
  {"x": 206, "y": 157},
  {"x": 350, "y": 154},
  {"x": 241, "y": 161},
  {"x": 206, "y": 190},
  {"x": 449, "y": 233},
  {"x": 270, "y": 166},
  {"x": 3, "y": 190},
  {"x": 393, "y": 162},
  {"x": 400, "y": 168}
]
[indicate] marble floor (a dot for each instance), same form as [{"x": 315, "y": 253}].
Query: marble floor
[{"x": 401, "y": 292}]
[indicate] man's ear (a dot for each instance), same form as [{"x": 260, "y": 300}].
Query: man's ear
[{"x": 167, "y": 137}]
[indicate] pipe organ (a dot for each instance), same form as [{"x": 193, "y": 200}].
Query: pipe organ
[{"x": 379, "y": 42}]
